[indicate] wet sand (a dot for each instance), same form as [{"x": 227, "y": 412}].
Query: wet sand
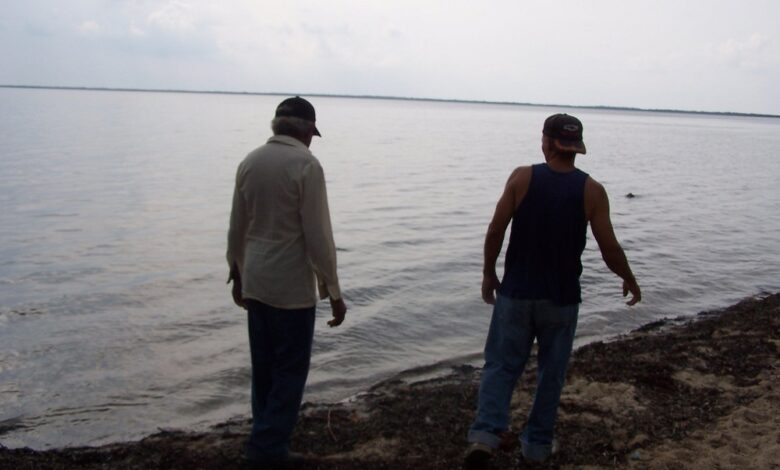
[{"x": 700, "y": 392}]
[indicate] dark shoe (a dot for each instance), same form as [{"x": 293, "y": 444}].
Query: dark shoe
[
  {"x": 534, "y": 456},
  {"x": 477, "y": 455}
]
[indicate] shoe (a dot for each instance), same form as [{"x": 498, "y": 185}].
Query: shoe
[
  {"x": 535, "y": 458},
  {"x": 477, "y": 454}
]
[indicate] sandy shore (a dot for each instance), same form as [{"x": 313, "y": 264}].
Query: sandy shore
[{"x": 694, "y": 393}]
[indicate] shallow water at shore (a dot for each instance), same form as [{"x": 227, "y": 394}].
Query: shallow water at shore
[
  {"x": 114, "y": 316},
  {"x": 703, "y": 391}
]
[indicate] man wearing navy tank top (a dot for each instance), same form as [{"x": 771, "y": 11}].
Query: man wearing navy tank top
[{"x": 550, "y": 206}]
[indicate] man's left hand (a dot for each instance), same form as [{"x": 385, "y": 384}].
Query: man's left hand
[
  {"x": 632, "y": 287},
  {"x": 339, "y": 309}
]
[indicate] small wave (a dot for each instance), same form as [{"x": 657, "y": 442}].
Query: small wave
[
  {"x": 7, "y": 361},
  {"x": 408, "y": 242},
  {"x": 55, "y": 214},
  {"x": 368, "y": 294},
  {"x": 214, "y": 391},
  {"x": 393, "y": 208},
  {"x": 191, "y": 330},
  {"x": 13, "y": 424},
  {"x": 91, "y": 409},
  {"x": 23, "y": 312},
  {"x": 61, "y": 276},
  {"x": 8, "y": 281}
]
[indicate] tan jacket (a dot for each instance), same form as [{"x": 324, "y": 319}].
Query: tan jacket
[{"x": 280, "y": 233}]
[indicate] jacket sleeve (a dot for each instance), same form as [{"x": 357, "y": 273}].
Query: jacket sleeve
[
  {"x": 238, "y": 227},
  {"x": 318, "y": 232}
]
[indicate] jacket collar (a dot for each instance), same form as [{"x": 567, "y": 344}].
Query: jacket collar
[{"x": 287, "y": 140}]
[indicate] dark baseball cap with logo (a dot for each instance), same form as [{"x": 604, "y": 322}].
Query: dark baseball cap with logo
[
  {"x": 299, "y": 108},
  {"x": 567, "y": 130}
]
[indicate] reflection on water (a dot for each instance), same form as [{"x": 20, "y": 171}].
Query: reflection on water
[{"x": 115, "y": 319}]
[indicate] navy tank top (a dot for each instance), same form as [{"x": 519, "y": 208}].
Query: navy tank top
[{"x": 547, "y": 239}]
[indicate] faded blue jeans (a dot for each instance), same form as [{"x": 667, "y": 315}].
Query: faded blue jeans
[
  {"x": 513, "y": 328},
  {"x": 280, "y": 342}
]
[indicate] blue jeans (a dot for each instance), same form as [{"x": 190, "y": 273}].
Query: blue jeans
[
  {"x": 280, "y": 343},
  {"x": 514, "y": 326}
]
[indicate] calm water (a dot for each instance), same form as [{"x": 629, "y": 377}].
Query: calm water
[{"x": 115, "y": 319}]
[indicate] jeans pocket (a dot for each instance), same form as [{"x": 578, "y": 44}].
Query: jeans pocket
[{"x": 556, "y": 316}]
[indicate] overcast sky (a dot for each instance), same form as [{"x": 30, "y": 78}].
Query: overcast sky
[{"x": 709, "y": 55}]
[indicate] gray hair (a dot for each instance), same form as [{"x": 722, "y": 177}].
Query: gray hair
[{"x": 292, "y": 126}]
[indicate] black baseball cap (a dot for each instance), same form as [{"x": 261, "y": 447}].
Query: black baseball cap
[
  {"x": 567, "y": 130},
  {"x": 299, "y": 108}
]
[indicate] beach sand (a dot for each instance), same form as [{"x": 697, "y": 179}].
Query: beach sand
[{"x": 700, "y": 392}]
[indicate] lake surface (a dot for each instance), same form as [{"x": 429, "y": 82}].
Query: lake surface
[{"x": 115, "y": 319}]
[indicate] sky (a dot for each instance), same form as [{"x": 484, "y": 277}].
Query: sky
[{"x": 697, "y": 55}]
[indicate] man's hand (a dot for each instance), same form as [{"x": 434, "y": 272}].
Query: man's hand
[
  {"x": 339, "y": 309},
  {"x": 238, "y": 297},
  {"x": 490, "y": 284},
  {"x": 633, "y": 287}
]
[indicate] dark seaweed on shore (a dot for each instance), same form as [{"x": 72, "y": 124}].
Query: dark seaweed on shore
[{"x": 648, "y": 373}]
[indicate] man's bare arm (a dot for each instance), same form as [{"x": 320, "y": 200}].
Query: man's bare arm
[
  {"x": 515, "y": 190},
  {"x": 597, "y": 208}
]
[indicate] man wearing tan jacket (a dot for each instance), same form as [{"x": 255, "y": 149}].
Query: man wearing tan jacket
[{"x": 281, "y": 255}]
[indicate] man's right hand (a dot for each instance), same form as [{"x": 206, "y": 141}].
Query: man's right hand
[
  {"x": 339, "y": 309},
  {"x": 633, "y": 287},
  {"x": 238, "y": 297},
  {"x": 236, "y": 291},
  {"x": 490, "y": 285}
]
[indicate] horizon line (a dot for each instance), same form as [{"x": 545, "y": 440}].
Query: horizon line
[{"x": 402, "y": 98}]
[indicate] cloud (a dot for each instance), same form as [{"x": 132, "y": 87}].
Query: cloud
[
  {"x": 748, "y": 53},
  {"x": 135, "y": 31},
  {"x": 89, "y": 27},
  {"x": 175, "y": 16}
]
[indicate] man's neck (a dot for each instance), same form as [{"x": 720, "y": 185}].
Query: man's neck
[{"x": 561, "y": 164}]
